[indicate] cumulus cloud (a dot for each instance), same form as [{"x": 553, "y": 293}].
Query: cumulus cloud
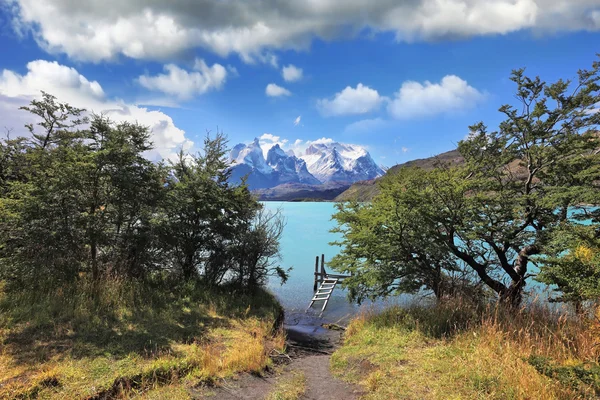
[
  {"x": 359, "y": 100},
  {"x": 416, "y": 99},
  {"x": 68, "y": 85},
  {"x": 273, "y": 90},
  {"x": 160, "y": 29},
  {"x": 268, "y": 140},
  {"x": 297, "y": 120},
  {"x": 184, "y": 84},
  {"x": 292, "y": 73}
]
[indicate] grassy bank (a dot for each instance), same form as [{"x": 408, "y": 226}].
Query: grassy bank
[
  {"x": 124, "y": 340},
  {"x": 454, "y": 351}
]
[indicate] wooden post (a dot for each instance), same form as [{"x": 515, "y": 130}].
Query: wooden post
[
  {"x": 322, "y": 267},
  {"x": 316, "y": 273}
]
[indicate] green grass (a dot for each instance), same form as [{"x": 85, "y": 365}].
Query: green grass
[
  {"x": 455, "y": 351},
  {"x": 122, "y": 339}
]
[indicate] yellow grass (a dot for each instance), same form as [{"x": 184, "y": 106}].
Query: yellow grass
[
  {"x": 67, "y": 345},
  {"x": 454, "y": 352}
]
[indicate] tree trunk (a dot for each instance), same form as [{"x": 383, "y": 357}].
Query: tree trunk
[
  {"x": 513, "y": 295},
  {"x": 94, "y": 256},
  {"x": 188, "y": 268},
  {"x": 436, "y": 284}
]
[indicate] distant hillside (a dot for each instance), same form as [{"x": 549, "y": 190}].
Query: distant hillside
[
  {"x": 302, "y": 192},
  {"x": 366, "y": 190}
]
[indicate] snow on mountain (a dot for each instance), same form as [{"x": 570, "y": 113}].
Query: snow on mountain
[
  {"x": 278, "y": 168},
  {"x": 251, "y": 155},
  {"x": 320, "y": 163},
  {"x": 339, "y": 162}
]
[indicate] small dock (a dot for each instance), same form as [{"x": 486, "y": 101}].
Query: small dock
[{"x": 324, "y": 284}]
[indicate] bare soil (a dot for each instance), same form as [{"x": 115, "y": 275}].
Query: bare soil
[{"x": 309, "y": 352}]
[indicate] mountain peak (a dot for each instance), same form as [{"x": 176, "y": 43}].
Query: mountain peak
[
  {"x": 340, "y": 162},
  {"x": 278, "y": 168},
  {"x": 321, "y": 163}
]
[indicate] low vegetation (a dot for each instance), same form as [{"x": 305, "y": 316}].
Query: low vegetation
[
  {"x": 453, "y": 350},
  {"x": 128, "y": 339}
]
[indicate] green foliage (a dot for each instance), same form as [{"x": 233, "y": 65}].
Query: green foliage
[
  {"x": 573, "y": 264},
  {"x": 387, "y": 247},
  {"x": 494, "y": 213},
  {"x": 78, "y": 197}
]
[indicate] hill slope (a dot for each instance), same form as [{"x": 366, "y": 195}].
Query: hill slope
[{"x": 366, "y": 190}]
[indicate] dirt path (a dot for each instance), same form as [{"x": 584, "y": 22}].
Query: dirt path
[{"x": 310, "y": 353}]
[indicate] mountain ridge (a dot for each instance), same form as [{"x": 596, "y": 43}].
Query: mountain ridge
[{"x": 308, "y": 173}]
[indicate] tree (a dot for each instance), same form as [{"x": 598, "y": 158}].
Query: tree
[
  {"x": 385, "y": 248},
  {"x": 120, "y": 195},
  {"x": 80, "y": 198},
  {"x": 202, "y": 213},
  {"x": 40, "y": 210},
  {"x": 255, "y": 250},
  {"x": 498, "y": 210}
]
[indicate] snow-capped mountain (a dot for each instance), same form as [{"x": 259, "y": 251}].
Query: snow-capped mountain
[
  {"x": 321, "y": 163},
  {"x": 278, "y": 168},
  {"x": 339, "y": 162}
]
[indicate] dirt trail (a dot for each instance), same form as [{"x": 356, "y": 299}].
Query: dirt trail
[{"x": 310, "y": 352}]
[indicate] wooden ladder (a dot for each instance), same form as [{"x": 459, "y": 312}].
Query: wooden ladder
[{"x": 324, "y": 292}]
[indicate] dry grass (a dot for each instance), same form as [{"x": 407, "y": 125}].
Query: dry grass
[
  {"x": 289, "y": 387},
  {"x": 130, "y": 341},
  {"x": 454, "y": 351}
]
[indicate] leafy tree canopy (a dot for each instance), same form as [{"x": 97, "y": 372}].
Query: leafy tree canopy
[{"x": 495, "y": 212}]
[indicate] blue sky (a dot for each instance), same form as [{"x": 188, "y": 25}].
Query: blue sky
[{"x": 404, "y": 80}]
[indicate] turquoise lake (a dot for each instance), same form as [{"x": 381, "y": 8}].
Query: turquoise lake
[{"x": 306, "y": 235}]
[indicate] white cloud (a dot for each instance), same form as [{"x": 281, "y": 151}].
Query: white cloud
[
  {"x": 349, "y": 101},
  {"x": 416, "y": 99},
  {"x": 183, "y": 84},
  {"x": 71, "y": 87},
  {"x": 297, "y": 120},
  {"x": 161, "y": 29},
  {"x": 291, "y": 73},
  {"x": 405, "y": 149},
  {"x": 322, "y": 140},
  {"x": 273, "y": 90},
  {"x": 366, "y": 126},
  {"x": 268, "y": 140}
]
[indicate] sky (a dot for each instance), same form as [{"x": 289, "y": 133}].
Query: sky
[{"x": 403, "y": 78}]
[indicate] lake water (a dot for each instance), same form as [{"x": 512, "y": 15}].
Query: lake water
[{"x": 306, "y": 235}]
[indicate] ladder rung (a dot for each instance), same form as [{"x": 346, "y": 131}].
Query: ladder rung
[
  {"x": 324, "y": 292},
  {"x": 320, "y": 298}
]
